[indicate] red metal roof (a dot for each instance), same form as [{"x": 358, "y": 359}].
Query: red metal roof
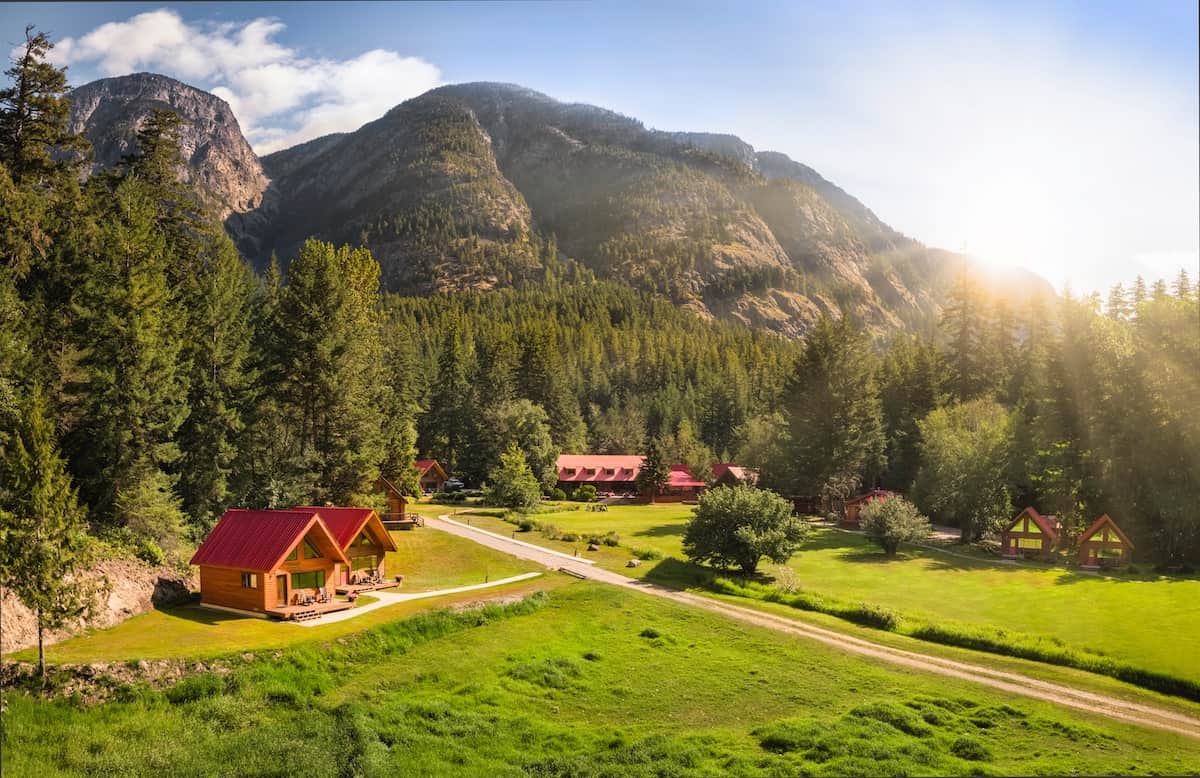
[
  {"x": 424, "y": 464},
  {"x": 681, "y": 478},
  {"x": 345, "y": 523},
  {"x": 874, "y": 494},
  {"x": 746, "y": 475},
  {"x": 625, "y": 467},
  {"x": 1100, "y": 522},
  {"x": 1045, "y": 523},
  {"x": 257, "y": 540}
]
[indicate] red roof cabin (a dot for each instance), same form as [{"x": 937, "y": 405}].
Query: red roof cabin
[
  {"x": 360, "y": 534},
  {"x": 430, "y": 475},
  {"x": 855, "y": 504},
  {"x": 681, "y": 486},
  {"x": 613, "y": 473},
  {"x": 734, "y": 475},
  {"x": 1030, "y": 534},
  {"x": 276, "y": 563},
  {"x": 1104, "y": 545}
]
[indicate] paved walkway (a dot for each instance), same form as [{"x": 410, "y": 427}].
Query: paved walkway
[
  {"x": 1009, "y": 682},
  {"x": 387, "y": 598}
]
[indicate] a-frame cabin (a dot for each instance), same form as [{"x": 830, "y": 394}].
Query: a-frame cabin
[{"x": 1030, "y": 534}]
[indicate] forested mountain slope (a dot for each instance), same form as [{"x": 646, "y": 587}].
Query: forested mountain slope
[{"x": 477, "y": 186}]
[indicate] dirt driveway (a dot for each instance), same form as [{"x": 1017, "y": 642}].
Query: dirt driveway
[{"x": 1010, "y": 682}]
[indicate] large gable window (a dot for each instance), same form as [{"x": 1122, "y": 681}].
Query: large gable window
[
  {"x": 310, "y": 551},
  {"x": 314, "y": 579}
]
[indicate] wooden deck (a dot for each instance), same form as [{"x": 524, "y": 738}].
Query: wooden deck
[
  {"x": 401, "y": 520},
  {"x": 369, "y": 587},
  {"x": 302, "y": 612}
]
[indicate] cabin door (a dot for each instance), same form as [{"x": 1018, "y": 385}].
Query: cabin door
[{"x": 281, "y": 593}]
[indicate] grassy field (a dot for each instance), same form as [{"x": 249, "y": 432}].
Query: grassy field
[
  {"x": 430, "y": 560},
  {"x": 591, "y": 681},
  {"x": 1125, "y": 617}
]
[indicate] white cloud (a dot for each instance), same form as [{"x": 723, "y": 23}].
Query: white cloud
[{"x": 279, "y": 96}]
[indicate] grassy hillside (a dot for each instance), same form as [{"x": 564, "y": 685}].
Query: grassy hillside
[{"x": 592, "y": 681}]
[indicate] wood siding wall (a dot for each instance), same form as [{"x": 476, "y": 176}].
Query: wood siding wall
[{"x": 223, "y": 586}]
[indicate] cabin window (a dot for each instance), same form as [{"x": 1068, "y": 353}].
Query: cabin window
[
  {"x": 1034, "y": 543},
  {"x": 292, "y": 557},
  {"x": 249, "y": 580},
  {"x": 610, "y": 471},
  {"x": 590, "y": 471},
  {"x": 314, "y": 579},
  {"x": 570, "y": 471},
  {"x": 310, "y": 551},
  {"x": 363, "y": 539}
]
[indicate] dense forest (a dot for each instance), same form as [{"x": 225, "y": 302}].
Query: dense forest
[{"x": 149, "y": 379}]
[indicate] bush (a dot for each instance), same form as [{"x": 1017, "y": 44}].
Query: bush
[
  {"x": 893, "y": 521},
  {"x": 526, "y": 524},
  {"x": 568, "y": 537},
  {"x": 513, "y": 484},
  {"x": 740, "y": 526},
  {"x": 647, "y": 554},
  {"x": 612, "y": 540},
  {"x": 585, "y": 493},
  {"x": 149, "y": 552},
  {"x": 558, "y": 494}
]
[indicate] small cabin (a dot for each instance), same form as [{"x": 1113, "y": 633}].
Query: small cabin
[
  {"x": 397, "y": 501},
  {"x": 681, "y": 486},
  {"x": 1030, "y": 534},
  {"x": 360, "y": 534},
  {"x": 1104, "y": 545},
  {"x": 266, "y": 562},
  {"x": 734, "y": 475},
  {"x": 855, "y": 504},
  {"x": 430, "y": 475}
]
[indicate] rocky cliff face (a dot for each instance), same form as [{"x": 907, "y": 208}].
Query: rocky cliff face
[
  {"x": 476, "y": 186},
  {"x": 217, "y": 157}
]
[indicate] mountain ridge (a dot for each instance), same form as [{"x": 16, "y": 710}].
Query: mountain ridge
[{"x": 483, "y": 185}]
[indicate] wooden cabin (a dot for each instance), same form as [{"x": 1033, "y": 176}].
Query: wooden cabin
[
  {"x": 267, "y": 561},
  {"x": 855, "y": 504},
  {"x": 681, "y": 486},
  {"x": 397, "y": 516},
  {"x": 609, "y": 473},
  {"x": 360, "y": 534},
  {"x": 1030, "y": 534},
  {"x": 733, "y": 475},
  {"x": 430, "y": 475},
  {"x": 1104, "y": 545}
]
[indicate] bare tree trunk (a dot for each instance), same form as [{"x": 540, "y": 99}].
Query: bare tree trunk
[{"x": 41, "y": 648}]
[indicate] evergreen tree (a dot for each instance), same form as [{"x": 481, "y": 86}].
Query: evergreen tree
[
  {"x": 1158, "y": 289},
  {"x": 33, "y": 114},
  {"x": 832, "y": 412},
  {"x": 134, "y": 378},
  {"x": 1117, "y": 306},
  {"x": 219, "y": 289},
  {"x": 327, "y": 376},
  {"x": 964, "y": 324},
  {"x": 43, "y": 541},
  {"x": 1138, "y": 296},
  {"x": 449, "y": 418},
  {"x": 910, "y": 387},
  {"x": 1182, "y": 286},
  {"x": 654, "y": 473}
]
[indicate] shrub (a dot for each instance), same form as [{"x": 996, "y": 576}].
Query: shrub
[
  {"x": 549, "y": 531},
  {"x": 893, "y": 521},
  {"x": 558, "y": 494},
  {"x": 149, "y": 552},
  {"x": 647, "y": 554},
  {"x": 740, "y": 526},
  {"x": 513, "y": 484},
  {"x": 611, "y": 539},
  {"x": 585, "y": 493},
  {"x": 526, "y": 524},
  {"x": 568, "y": 537},
  {"x": 969, "y": 748}
]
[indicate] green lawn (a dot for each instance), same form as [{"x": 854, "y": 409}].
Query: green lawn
[
  {"x": 594, "y": 681},
  {"x": 429, "y": 560},
  {"x": 1144, "y": 620}
]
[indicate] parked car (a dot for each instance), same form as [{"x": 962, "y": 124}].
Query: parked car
[{"x": 453, "y": 485}]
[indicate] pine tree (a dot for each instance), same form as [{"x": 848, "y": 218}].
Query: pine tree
[
  {"x": 219, "y": 289},
  {"x": 450, "y": 414},
  {"x": 327, "y": 367},
  {"x": 962, "y": 319},
  {"x": 134, "y": 377},
  {"x": 1138, "y": 296},
  {"x": 1117, "y": 306},
  {"x": 1182, "y": 286},
  {"x": 654, "y": 473},
  {"x": 832, "y": 411},
  {"x": 33, "y": 115},
  {"x": 43, "y": 538},
  {"x": 1158, "y": 289}
]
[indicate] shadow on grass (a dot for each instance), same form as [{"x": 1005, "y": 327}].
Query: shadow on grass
[
  {"x": 662, "y": 531},
  {"x": 675, "y": 573},
  {"x": 200, "y": 615}
]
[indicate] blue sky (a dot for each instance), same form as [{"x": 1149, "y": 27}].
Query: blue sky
[{"x": 1057, "y": 136}]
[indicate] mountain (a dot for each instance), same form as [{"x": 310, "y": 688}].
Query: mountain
[
  {"x": 485, "y": 185},
  {"x": 109, "y": 112}
]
